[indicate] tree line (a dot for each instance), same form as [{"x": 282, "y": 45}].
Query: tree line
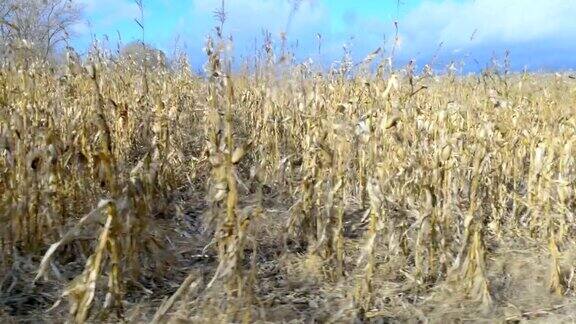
[{"x": 38, "y": 29}]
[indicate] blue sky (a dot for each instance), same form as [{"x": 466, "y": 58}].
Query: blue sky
[{"x": 540, "y": 34}]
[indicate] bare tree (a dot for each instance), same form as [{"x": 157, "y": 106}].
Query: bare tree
[
  {"x": 36, "y": 27},
  {"x": 145, "y": 55}
]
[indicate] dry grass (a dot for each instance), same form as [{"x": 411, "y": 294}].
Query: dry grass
[{"x": 284, "y": 195}]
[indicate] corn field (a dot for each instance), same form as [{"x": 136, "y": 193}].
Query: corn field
[{"x": 284, "y": 194}]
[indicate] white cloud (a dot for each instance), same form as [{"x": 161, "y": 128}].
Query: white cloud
[
  {"x": 535, "y": 30},
  {"x": 491, "y": 22}
]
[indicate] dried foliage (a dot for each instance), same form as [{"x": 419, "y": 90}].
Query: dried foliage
[{"x": 284, "y": 194}]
